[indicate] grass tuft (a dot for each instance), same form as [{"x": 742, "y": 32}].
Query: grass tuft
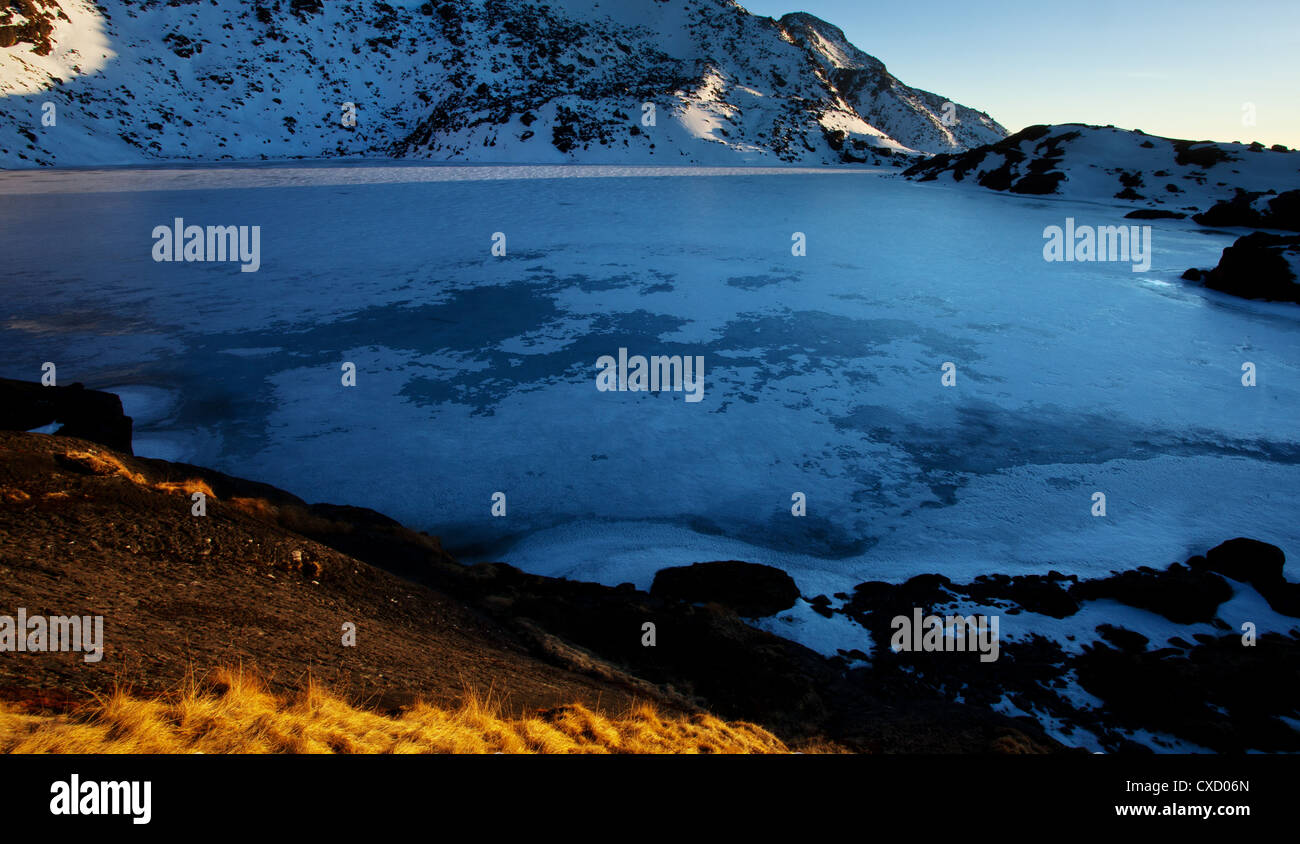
[{"x": 235, "y": 712}]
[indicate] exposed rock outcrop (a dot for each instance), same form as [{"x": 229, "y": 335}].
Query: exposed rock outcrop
[
  {"x": 88, "y": 414},
  {"x": 1257, "y": 266},
  {"x": 751, "y": 589},
  {"x": 1257, "y": 210}
]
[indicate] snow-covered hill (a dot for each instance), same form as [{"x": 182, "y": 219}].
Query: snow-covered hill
[
  {"x": 1215, "y": 184},
  {"x": 1164, "y": 176},
  {"x": 131, "y": 81}
]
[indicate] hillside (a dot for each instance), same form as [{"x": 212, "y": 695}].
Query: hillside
[
  {"x": 463, "y": 80},
  {"x": 265, "y": 582},
  {"x": 1117, "y": 167}
]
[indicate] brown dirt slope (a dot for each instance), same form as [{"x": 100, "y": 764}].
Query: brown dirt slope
[
  {"x": 266, "y": 581},
  {"x": 181, "y": 593}
]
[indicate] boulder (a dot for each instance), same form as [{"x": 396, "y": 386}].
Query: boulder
[
  {"x": 89, "y": 414},
  {"x": 1258, "y": 564},
  {"x": 751, "y": 589},
  {"x": 1247, "y": 560},
  {"x": 1180, "y": 594},
  {"x": 1258, "y": 266}
]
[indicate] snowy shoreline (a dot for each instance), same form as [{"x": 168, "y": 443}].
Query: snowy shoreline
[{"x": 323, "y": 172}]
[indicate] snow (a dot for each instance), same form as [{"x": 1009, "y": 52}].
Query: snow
[
  {"x": 82, "y": 48},
  {"x": 827, "y": 636}
]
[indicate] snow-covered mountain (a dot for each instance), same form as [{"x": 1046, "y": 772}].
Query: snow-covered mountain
[
  {"x": 133, "y": 81},
  {"x": 913, "y": 117}
]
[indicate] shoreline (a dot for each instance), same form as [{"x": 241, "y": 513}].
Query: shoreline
[{"x": 1065, "y": 639}]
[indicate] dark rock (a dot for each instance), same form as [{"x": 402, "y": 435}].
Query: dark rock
[
  {"x": 1154, "y": 214},
  {"x": 1259, "y": 564},
  {"x": 89, "y": 414},
  {"x": 1257, "y": 267},
  {"x": 354, "y": 515},
  {"x": 1208, "y": 689},
  {"x": 1038, "y": 183},
  {"x": 302, "y": 9},
  {"x": 1125, "y": 640},
  {"x": 998, "y": 179},
  {"x": 1220, "y": 695},
  {"x": 1034, "y": 173},
  {"x": 1248, "y": 560},
  {"x": 1032, "y": 592},
  {"x": 924, "y": 587},
  {"x": 751, "y": 589},
  {"x": 1131, "y": 180},
  {"x": 1200, "y": 153},
  {"x": 1283, "y": 597},
  {"x": 1178, "y": 593},
  {"x": 1280, "y": 212}
]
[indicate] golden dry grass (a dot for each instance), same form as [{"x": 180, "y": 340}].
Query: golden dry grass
[
  {"x": 99, "y": 463},
  {"x": 94, "y": 463},
  {"x": 235, "y": 713},
  {"x": 189, "y": 486}
]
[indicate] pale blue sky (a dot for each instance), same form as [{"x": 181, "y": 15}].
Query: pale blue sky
[{"x": 1180, "y": 68}]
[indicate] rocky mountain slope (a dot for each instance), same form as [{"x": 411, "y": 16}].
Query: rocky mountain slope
[
  {"x": 265, "y": 581},
  {"x": 131, "y": 81}
]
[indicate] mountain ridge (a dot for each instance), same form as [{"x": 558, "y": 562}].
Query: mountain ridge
[{"x": 468, "y": 80}]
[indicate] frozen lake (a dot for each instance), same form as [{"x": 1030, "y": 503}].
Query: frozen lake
[{"x": 477, "y": 373}]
